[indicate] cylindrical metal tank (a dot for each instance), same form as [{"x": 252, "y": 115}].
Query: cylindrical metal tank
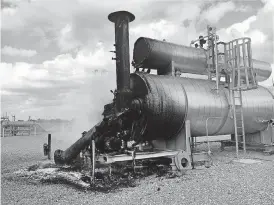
[
  {"x": 168, "y": 101},
  {"x": 155, "y": 54}
]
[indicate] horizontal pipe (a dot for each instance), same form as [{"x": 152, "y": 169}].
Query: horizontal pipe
[{"x": 67, "y": 156}]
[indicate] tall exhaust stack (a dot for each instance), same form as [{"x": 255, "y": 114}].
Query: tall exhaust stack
[{"x": 121, "y": 20}]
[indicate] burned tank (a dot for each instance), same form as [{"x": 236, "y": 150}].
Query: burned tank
[{"x": 166, "y": 110}]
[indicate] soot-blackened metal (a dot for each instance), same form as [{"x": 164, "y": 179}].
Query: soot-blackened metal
[{"x": 121, "y": 20}]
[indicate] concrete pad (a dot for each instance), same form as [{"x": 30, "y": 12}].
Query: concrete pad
[{"x": 247, "y": 161}]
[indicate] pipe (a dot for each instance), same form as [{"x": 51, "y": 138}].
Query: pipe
[
  {"x": 49, "y": 146},
  {"x": 208, "y": 146},
  {"x": 66, "y": 157},
  {"x": 121, "y": 20},
  {"x": 93, "y": 160}
]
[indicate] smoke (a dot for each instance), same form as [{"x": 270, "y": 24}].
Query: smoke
[{"x": 86, "y": 105}]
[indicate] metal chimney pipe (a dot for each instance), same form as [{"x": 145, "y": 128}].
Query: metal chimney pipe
[{"x": 121, "y": 20}]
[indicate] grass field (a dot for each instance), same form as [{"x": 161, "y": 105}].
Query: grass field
[{"x": 226, "y": 182}]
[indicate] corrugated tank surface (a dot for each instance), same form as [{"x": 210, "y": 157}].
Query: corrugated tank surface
[{"x": 168, "y": 101}]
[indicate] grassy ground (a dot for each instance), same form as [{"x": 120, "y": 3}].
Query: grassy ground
[{"x": 226, "y": 182}]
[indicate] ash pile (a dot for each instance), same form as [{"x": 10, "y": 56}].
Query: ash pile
[{"x": 105, "y": 179}]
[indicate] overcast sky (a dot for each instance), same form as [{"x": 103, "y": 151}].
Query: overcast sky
[{"x": 55, "y": 53}]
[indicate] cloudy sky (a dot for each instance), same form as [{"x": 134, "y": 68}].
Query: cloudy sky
[{"x": 55, "y": 53}]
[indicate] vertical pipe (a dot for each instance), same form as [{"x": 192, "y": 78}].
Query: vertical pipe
[
  {"x": 188, "y": 136},
  {"x": 245, "y": 66},
  {"x": 235, "y": 124},
  {"x": 233, "y": 57},
  {"x": 121, "y": 20},
  {"x": 3, "y": 135},
  {"x": 238, "y": 56},
  {"x": 242, "y": 121},
  {"x": 216, "y": 63},
  {"x": 49, "y": 145},
  {"x": 250, "y": 62},
  {"x": 93, "y": 161},
  {"x": 34, "y": 130},
  {"x": 189, "y": 148}
]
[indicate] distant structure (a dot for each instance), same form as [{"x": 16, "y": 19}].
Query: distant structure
[{"x": 32, "y": 127}]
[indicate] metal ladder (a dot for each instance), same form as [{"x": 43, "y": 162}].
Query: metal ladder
[
  {"x": 238, "y": 61},
  {"x": 238, "y": 119}
]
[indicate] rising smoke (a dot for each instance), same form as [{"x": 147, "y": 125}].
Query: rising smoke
[{"x": 86, "y": 105}]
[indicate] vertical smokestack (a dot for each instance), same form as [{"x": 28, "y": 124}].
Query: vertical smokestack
[{"x": 121, "y": 20}]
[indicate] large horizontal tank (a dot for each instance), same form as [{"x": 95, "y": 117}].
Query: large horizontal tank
[
  {"x": 155, "y": 54},
  {"x": 167, "y": 101}
]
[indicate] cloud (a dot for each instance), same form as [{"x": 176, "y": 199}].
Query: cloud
[
  {"x": 10, "y": 51},
  {"x": 158, "y": 30},
  {"x": 66, "y": 41},
  {"x": 63, "y": 67},
  {"x": 214, "y": 12},
  {"x": 260, "y": 28},
  {"x": 217, "y": 11},
  {"x": 8, "y": 11},
  {"x": 239, "y": 29},
  {"x": 66, "y": 86},
  {"x": 257, "y": 37}
]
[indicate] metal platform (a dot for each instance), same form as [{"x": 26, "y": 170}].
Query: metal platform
[{"x": 179, "y": 157}]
